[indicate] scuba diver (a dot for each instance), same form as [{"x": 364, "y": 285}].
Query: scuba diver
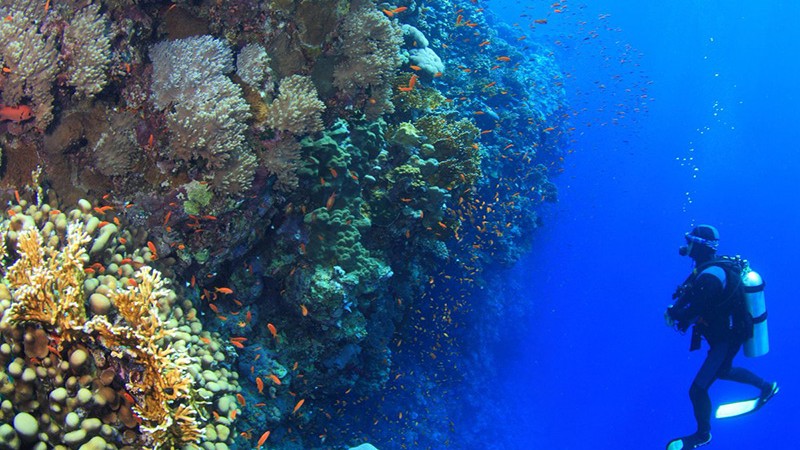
[{"x": 714, "y": 299}]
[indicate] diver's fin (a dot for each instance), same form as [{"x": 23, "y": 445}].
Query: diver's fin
[
  {"x": 688, "y": 442},
  {"x": 746, "y": 406},
  {"x": 677, "y": 444},
  {"x": 736, "y": 408}
]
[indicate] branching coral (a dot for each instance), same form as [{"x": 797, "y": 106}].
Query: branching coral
[
  {"x": 46, "y": 285},
  {"x": 167, "y": 409},
  {"x": 297, "y": 108}
]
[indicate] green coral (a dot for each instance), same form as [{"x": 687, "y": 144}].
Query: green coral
[
  {"x": 453, "y": 145},
  {"x": 424, "y": 100},
  {"x": 198, "y": 196},
  {"x": 407, "y": 135},
  {"x": 335, "y": 240}
]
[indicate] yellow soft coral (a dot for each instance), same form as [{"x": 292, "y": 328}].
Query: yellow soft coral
[
  {"x": 164, "y": 385},
  {"x": 47, "y": 284},
  {"x": 46, "y": 287}
]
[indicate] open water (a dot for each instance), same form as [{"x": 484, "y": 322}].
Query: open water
[{"x": 717, "y": 143}]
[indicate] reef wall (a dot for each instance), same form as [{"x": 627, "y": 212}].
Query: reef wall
[{"x": 241, "y": 223}]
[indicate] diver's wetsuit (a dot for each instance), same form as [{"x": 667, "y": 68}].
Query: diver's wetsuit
[{"x": 700, "y": 305}]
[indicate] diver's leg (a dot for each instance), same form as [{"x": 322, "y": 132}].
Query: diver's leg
[
  {"x": 698, "y": 392},
  {"x": 740, "y": 374},
  {"x": 701, "y": 402}
]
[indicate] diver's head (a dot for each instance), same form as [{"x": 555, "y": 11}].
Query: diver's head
[{"x": 701, "y": 243}]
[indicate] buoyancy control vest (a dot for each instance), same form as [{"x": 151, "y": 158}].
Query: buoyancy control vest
[{"x": 744, "y": 302}]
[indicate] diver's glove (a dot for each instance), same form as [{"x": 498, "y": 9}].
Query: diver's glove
[{"x": 668, "y": 318}]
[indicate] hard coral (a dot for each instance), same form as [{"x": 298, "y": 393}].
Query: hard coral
[{"x": 129, "y": 336}]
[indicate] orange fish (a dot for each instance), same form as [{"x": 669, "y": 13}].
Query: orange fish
[
  {"x": 274, "y": 378},
  {"x": 152, "y": 248},
  {"x": 263, "y": 438},
  {"x": 213, "y": 308},
  {"x": 392, "y": 12},
  {"x": 303, "y": 310},
  {"x": 298, "y": 405},
  {"x": 272, "y": 330},
  {"x": 416, "y": 68},
  {"x": 19, "y": 113},
  {"x": 503, "y": 58},
  {"x": 549, "y": 129},
  {"x": 260, "y": 385},
  {"x": 223, "y": 290},
  {"x": 331, "y": 201},
  {"x": 241, "y": 399},
  {"x": 237, "y": 344}
]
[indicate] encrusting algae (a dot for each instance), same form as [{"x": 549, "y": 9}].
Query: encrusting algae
[{"x": 121, "y": 372}]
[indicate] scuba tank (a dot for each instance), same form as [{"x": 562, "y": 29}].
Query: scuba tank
[{"x": 758, "y": 344}]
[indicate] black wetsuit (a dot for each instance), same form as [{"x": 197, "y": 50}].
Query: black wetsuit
[{"x": 703, "y": 303}]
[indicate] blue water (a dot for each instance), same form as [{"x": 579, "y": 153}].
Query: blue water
[{"x": 717, "y": 144}]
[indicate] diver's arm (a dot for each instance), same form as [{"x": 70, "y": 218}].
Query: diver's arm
[{"x": 691, "y": 305}]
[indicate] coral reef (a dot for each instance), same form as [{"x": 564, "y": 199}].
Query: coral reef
[
  {"x": 206, "y": 110},
  {"x": 252, "y": 65},
  {"x": 30, "y": 57},
  {"x": 369, "y": 55},
  {"x": 88, "y": 46},
  {"x": 116, "y": 322},
  {"x": 297, "y": 108},
  {"x": 292, "y": 206}
]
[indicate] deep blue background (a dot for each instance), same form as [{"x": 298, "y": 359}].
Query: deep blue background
[{"x": 597, "y": 367}]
